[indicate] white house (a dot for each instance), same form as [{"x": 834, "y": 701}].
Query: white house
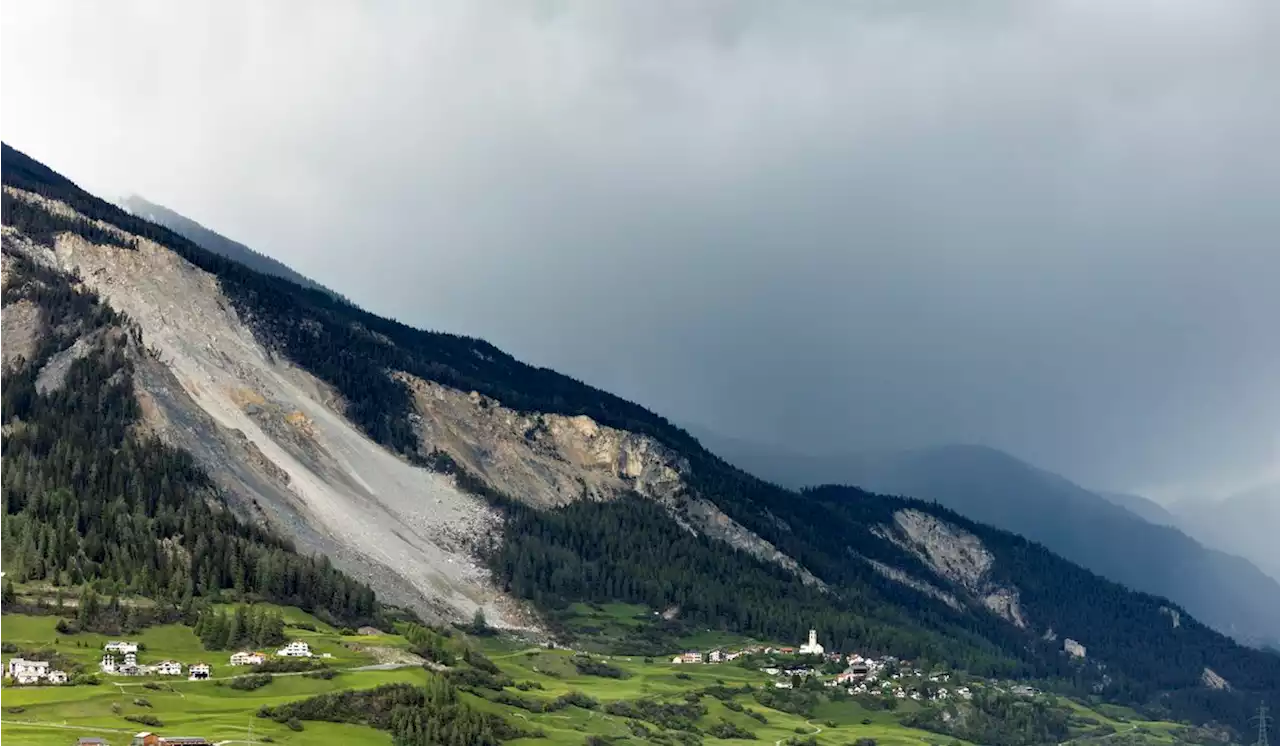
[
  {"x": 1073, "y": 648},
  {"x": 715, "y": 656},
  {"x": 782, "y": 685},
  {"x": 295, "y": 649},
  {"x": 24, "y": 671},
  {"x": 245, "y": 658},
  {"x": 121, "y": 647},
  {"x": 690, "y": 657},
  {"x": 108, "y": 664},
  {"x": 811, "y": 647},
  {"x": 199, "y": 672},
  {"x": 169, "y": 668},
  {"x": 57, "y": 677}
]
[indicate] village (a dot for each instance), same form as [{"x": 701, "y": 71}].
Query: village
[
  {"x": 120, "y": 658},
  {"x": 884, "y": 677}
]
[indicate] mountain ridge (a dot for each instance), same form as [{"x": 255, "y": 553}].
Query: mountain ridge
[{"x": 305, "y": 393}]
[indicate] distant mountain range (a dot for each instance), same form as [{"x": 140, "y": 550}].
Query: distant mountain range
[
  {"x": 1135, "y": 544},
  {"x": 218, "y": 243},
  {"x": 1248, "y": 523}
]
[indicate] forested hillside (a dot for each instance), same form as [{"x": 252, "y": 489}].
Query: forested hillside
[
  {"x": 636, "y": 551},
  {"x": 90, "y": 498}
]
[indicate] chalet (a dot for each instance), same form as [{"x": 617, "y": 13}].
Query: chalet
[
  {"x": 25, "y": 671},
  {"x": 847, "y": 677},
  {"x": 734, "y": 655},
  {"x": 108, "y": 664},
  {"x": 121, "y": 648},
  {"x": 295, "y": 649},
  {"x": 168, "y": 668},
  {"x": 715, "y": 656},
  {"x": 57, "y": 677},
  {"x": 689, "y": 657},
  {"x": 199, "y": 672},
  {"x": 786, "y": 651},
  {"x": 246, "y": 658}
]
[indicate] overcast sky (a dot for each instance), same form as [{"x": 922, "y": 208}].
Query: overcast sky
[{"x": 1051, "y": 227}]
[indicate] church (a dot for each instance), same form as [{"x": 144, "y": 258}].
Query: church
[{"x": 812, "y": 647}]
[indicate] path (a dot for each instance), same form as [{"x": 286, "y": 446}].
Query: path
[{"x": 816, "y": 730}]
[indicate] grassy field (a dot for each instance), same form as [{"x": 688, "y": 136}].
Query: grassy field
[{"x": 58, "y": 715}]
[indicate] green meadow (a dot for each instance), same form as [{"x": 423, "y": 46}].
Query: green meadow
[{"x": 58, "y": 715}]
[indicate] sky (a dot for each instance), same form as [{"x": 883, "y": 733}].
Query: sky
[{"x": 1048, "y": 227}]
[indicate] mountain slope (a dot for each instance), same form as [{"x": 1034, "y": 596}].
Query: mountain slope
[
  {"x": 1246, "y": 523},
  {"x": 418, "y": 455},
  {"x": 1145, "y": 508},
  {"x": 1225, "y": 591},
  {"x": 216, "y": 242}
]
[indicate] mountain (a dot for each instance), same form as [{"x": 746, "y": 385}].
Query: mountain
[
  {"x": 216, "y": 242},
  {"x": 161, "y": 386},
  {"x": 987, "y": 485},
  {"x": 1143, "y": 507},
  {"x": 1246, "y": 523}
]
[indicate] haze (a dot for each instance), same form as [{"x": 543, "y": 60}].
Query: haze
[{"x": 1049, "y": 227}]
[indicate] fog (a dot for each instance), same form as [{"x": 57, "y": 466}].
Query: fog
[{"x": 1048, "y": 227}]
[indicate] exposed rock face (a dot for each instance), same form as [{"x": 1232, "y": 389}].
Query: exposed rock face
[
  {"x": 550, "y": 460},
  {"x": 958, "y": 556},
  {"x": 1211, "y": 679},
  {"x": 20, "y": 330},
  {"x": 928, "y": 589}
]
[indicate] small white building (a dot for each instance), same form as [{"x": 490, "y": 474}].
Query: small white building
[
  {"x": 295, "y": 649},
  {"x": 58, "y": 677},
  {"x": 199, "y": 672},
  {"x": 121, "y": 647},
  {"x": 1073, "y": 648},
  {"x": 26, "y": 671},
  {"x": 782, "y": 685},
  {"x": 246, "y": 658},
  {"x": 715, "y": 656},
  {"x": 108, "y": 664},
  {"x": 812, "y": 647},
  {"x": 169, "y": 668},
  {"x": 689, "y": 657}
]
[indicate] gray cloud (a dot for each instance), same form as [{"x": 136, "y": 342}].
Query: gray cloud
[{"x": 1049, "y": 227}]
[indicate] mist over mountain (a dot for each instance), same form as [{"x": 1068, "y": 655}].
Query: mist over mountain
[
  {"x": 1247, "y": 523},
  {"x": 1221, "y": 588}
]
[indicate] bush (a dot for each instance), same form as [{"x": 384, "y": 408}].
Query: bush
[
  {"x": 308, "y": 626},
  {"x": 726, "y": 729},
  {"x": 683, "y": 676},
  {"x": 757, "y": 716},
  {"x": 150, "y": 720},
  {"x": 66, "y": 627},
  {"x": 8, "y": 647},
  {"x": 591, "y": 667},
  {"x": 325, "y": 673},
  {"x": 116, "y": 708},
  {"x": 142, "y": 701},
  {"x": 15, "y": 710},
  {"x": 86, "y": 679},
  {"x": 576, "y": 699},
  {"x": 346, "y": 631},
  {"x": 866, "y": 721},
  {"x": 250, "y": 682},
  {"x": 865, "y": 742},
  {"x": 294, "y": 724},
  {"x": 153, "y": 686}
]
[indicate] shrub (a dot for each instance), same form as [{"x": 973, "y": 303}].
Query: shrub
[
  {"x": 577, "y": 699},
  {"x": 683, "y": 676},
  {"x": 294, "y": 724},
  {"x": 66, "y": 627},
  {"x": 116, "y": 708},
  {"x": 866, "y": 721},
  {"x": 142, "y": 701},
  {"x": 591, "y": 667},
  {"x": 150, "y": 720},
  {"x": 865, "y": 742},
  {"x": 325, "y": 673},
  {"x": 250, "y": 682},
  {"x": 726, "y": 729},
  {"x": 153, "y": 686}
]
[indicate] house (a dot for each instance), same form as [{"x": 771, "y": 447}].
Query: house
[
  {"x": 771, "y": 671},
  {"x": 108, "y": 664},
  {"x": 151, "y": 739},
  {"x": 733, "y": 656},
  {"x": 25, "y": 671},
  {"x": 782, "y": 685},
  {"x": 1073, "y": 648},
  {"x": 847, "y": 677},
  {"x": 811, "y": 647},
  {"x": 169, "y": 668},
  {"x": 57, "y": 677},
  {"x": 786, "y": 651},
  {"x": 131, "y": 659},
  {"x": 199, "y": 672},
  {"x": 295, "y": 649},
  {"x": 715, "y": 656},
  {"x": 121, "y": 647},
  {"x": 689, "y": 657},
  {"x": 245, "y": 658}
]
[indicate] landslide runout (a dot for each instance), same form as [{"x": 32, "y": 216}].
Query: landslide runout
[{"x": 215, "y": 390}]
